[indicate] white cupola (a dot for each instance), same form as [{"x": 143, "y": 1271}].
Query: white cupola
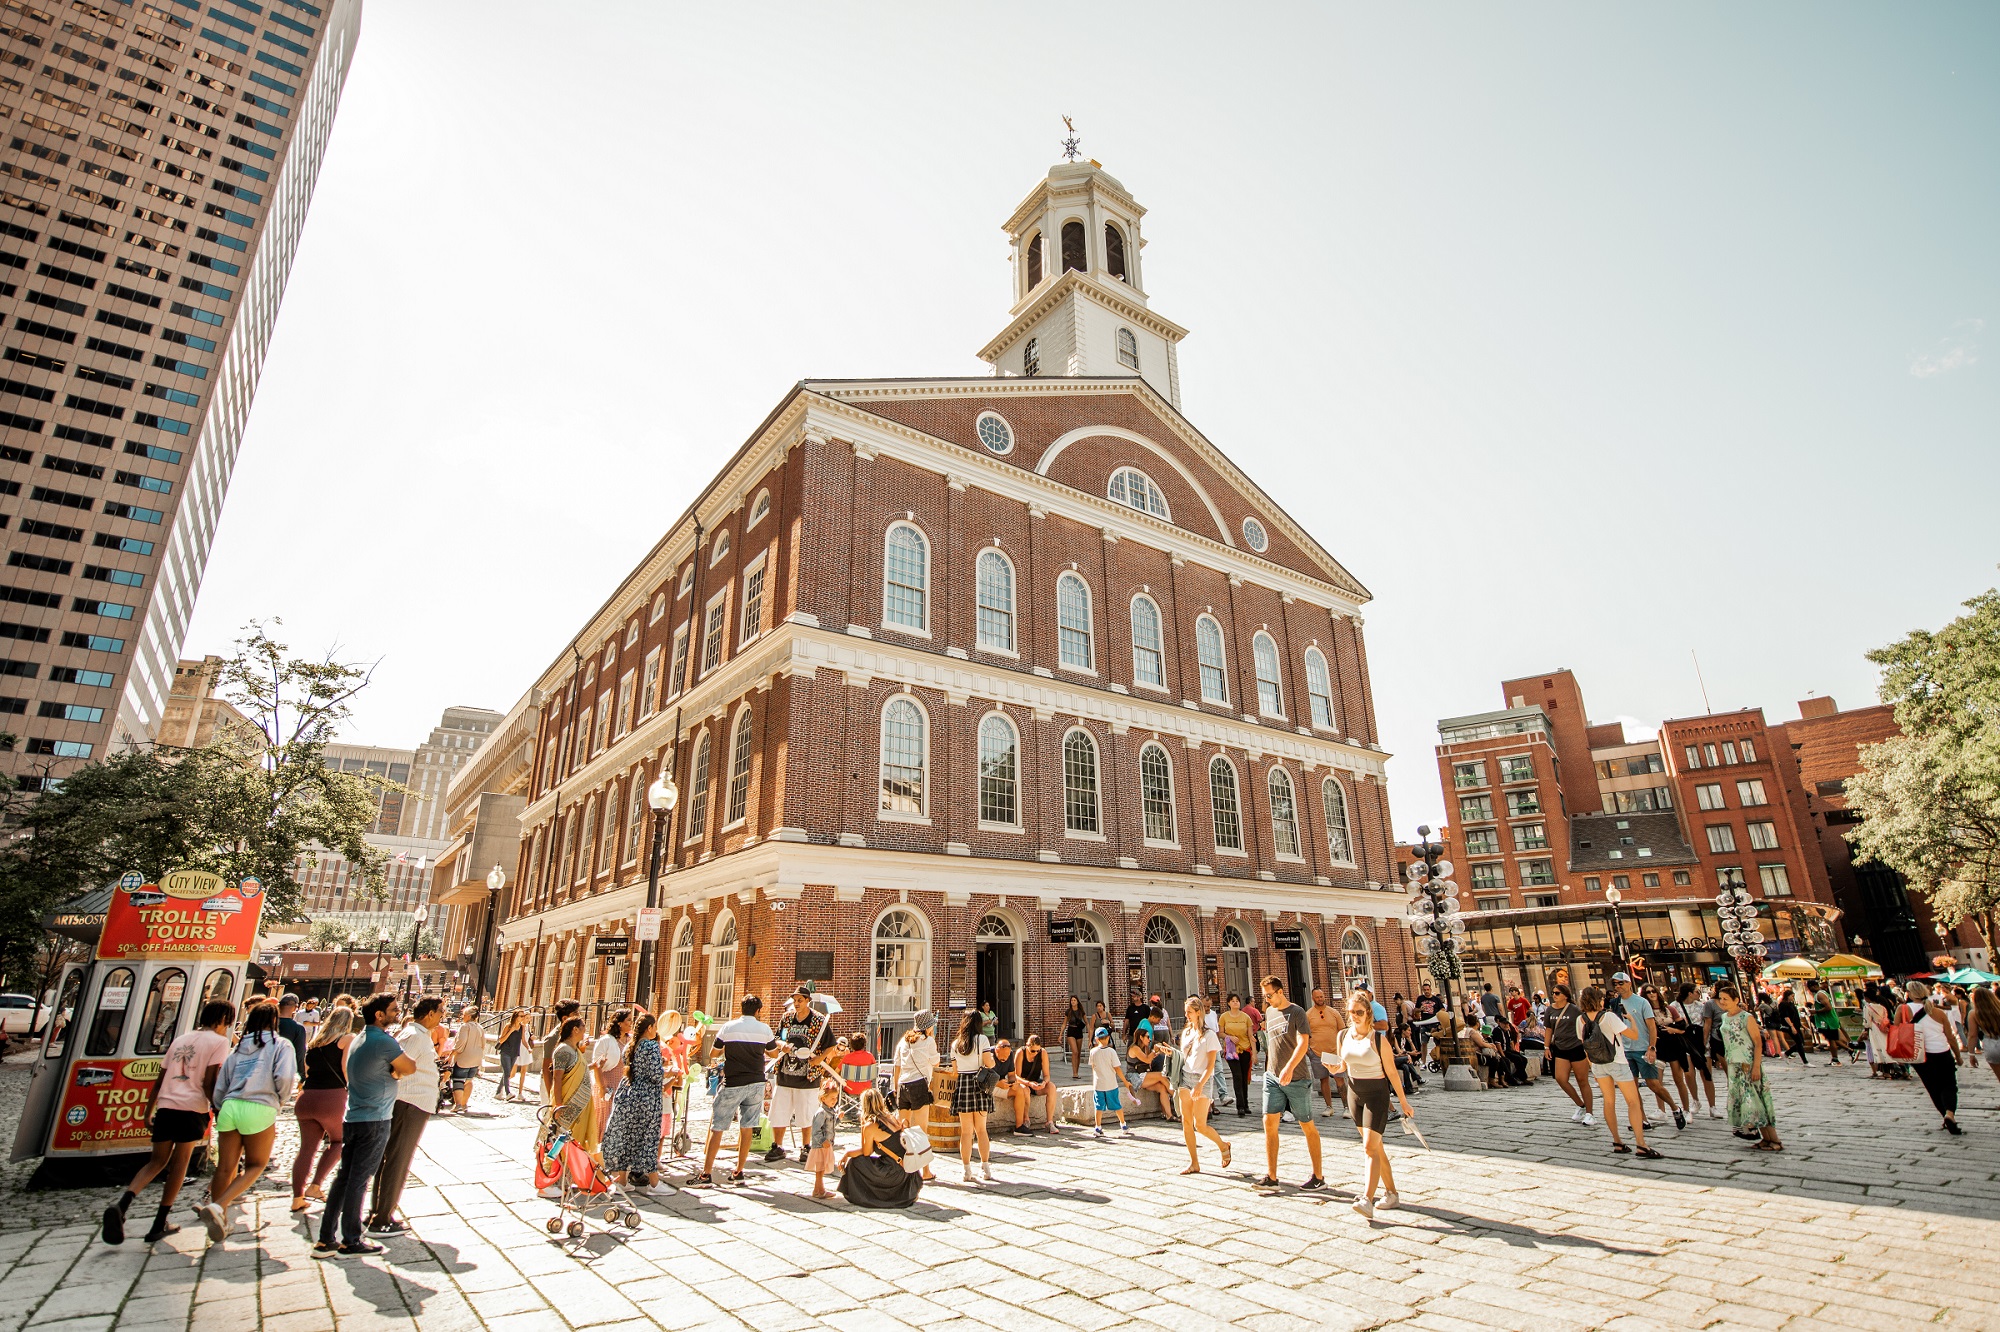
[{"x": 1079, "y": 290}]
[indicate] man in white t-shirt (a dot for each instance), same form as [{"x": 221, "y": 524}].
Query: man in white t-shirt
[{"x": 416, "y": 1102}]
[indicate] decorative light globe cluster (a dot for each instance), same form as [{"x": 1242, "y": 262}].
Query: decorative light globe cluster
[
  {"x": 1739, "y": 923},
  {"x": 1432, "y": 913}
]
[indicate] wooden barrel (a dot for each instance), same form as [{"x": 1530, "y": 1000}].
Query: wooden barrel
[{"x": 944, "y": 1124}]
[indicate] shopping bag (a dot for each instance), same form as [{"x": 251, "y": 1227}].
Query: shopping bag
[
  {"x": 760, "y": 1141},
  {"x": 1902, "y": 1037}
]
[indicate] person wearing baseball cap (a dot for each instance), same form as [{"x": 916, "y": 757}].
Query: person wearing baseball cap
[{"x": 915, "y": 1061}]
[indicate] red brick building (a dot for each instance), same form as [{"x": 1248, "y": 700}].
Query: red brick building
[{"x": 974, "y": 689}]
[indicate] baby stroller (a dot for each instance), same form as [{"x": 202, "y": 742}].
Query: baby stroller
[{"x": 586, "y": 1186}]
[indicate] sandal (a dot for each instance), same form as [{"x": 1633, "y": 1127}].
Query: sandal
[
  {"x": 1225, "y": 1156},
  {"x": 1621, "y": 1149},
  {"x": 1649, "y": 1154},
  {"x": 1192, "y": 1170},
  {"x": 1770, "y": 1146},
  {"x": 737, "y": 1177}
]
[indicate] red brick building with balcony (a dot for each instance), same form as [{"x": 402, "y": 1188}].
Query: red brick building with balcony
[{"x": 997, "y": 689}]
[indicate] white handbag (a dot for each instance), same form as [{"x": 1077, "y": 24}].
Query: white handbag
[{"x": 916, "y": 1151}]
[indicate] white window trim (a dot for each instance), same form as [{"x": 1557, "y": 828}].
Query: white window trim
[
  {"x": 1090, "y": 615},
  {"x": 922, "y": 816},
  {"x": 755, "y": 631},
  {"x": 702, "y": 669},
  {"x": 1097, "y": 763},
  {"x": 1231, "y": 851},
  {"x": 659, "y": 608},
  {"x": 1123, "y": 468},
  {"x": 1160, "y": 625},
  {"x": 1012, "y": 437},
  {"x": 1333, "y": 714},
  {"x": 622, "y": 725},
  {"x": 1159, "y": 845},
  {"x": 1072, "y": 835},
  {"x": 760, "y": 508},
  {"x": 1013, "y": 828},
  {"x": 718, "y": 548},
  {"x": 1277, "y": 683},
  {"x": 686, "y": 583},
  {"x": 986, "y": 825},
  {"x": 929, "y": 549},
  {"x": 1223, "y": 639},
  {"x": 729, "y": 778}
]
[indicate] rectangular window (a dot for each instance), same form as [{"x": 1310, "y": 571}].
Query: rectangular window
[
  {"x": 1521, "y": 803},
  {"x": 1709, "y": 796},
  {"x": 649, "y": 689},
  {"x": 1537, "y": 873},
  {"x": 1751, "y": 792},
  {"x": 1728, "y": 751},
  {"x": 581, "y": 755},
  {"x": 59, "y": 748},
  {"x": 1763, "y": 837},
  {"x": 677, "y": 675},
  {"x": 109, "y": 609},
  {"x": 753, "y": 603},
  {"x": 1622, "y": 882},
  {"x": 1650, "y": 880},
  {"x": 1683, "y": 879},
  {"x": 1729, "y": 876},
  {"x": 129, "y": 545},
  {"x": 91, "y": 642},
  {"x": 72, "y": 675},
  {"x": 118, "y": 509},
  {"x": 714, "y": 632},
  {"x": 1482, "y": 842},
  {"x": 1592, "y": 884},
  {"x": 1517, "y": 768},
  {"x": 1709, "y": 753},
  {"x": 1464, "y": 775},
  {"x": 75, "y": 712},
  {"x": 1473, "y": 809},
  {"x": 1776, "y": 882},
  {"x": 626, "y": 686},
  {"x": 1491, "y": 875},
  {"x": 1721, "y": 838},
  {"x": 603, "y": 722},
  {"x": 1749, "y": 751},
  {"x": 1531, "y": 837},
  {"x": 1490, "y": 904},
  {"x": 143, "y": 482}
]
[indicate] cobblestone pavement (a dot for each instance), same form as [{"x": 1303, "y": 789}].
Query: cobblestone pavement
[{"x": 1515, "y": 1219}]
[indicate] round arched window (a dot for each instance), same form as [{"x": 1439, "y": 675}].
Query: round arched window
[
  {"x": 1232, "y": 937},
  {"x": 1162, "y": 930},
  {"x": 995, "y": 433},
  {"x": 901, "y": 982},
  {"x": 1255, "y": 536}
]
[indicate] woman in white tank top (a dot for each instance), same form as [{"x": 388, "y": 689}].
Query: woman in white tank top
[{"x": 1371, "y": 1078}]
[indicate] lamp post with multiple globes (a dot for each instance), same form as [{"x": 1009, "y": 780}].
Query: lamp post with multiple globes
[{"x": 1435, "y": 928}]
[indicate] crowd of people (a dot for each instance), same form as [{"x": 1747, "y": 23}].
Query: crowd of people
[{"x": 363, "y": 1079}]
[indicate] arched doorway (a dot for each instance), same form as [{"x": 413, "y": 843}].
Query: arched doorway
[
  {"x": 996, "y": 967},
  {"x": 1356, "y": 972},
  {"x": 1298, "y": 969},
  {"x": 1236, "y": 978},
  {"x": 722, "y": 970},
  {"x": 1086, "y": 966},
  {"x": 901, "y": 983},
  {"x": 1166, "y": 963}
]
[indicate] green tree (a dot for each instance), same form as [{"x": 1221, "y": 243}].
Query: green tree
[
  {"x": 1929, "y": 799},
  {"x": 328, "y": 936},
  {"x": 248, "y": 805}
]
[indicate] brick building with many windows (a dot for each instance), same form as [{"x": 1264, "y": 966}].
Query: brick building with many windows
[{"x": 995, "y": 689}]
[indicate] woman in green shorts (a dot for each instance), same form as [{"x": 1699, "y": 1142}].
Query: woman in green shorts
[{"x": 255, "y": 1080}]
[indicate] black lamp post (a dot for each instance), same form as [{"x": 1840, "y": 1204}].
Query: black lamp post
[
  {"x": 661, "y": 797},
  {"x": 417, "y": 919},
  {"x": 1435, "y": 925},
  {"x": 496, "y": 879}
]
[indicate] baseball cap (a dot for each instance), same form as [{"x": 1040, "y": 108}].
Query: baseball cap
[
  {"x": 1102, "y": 1033},
  {"x": 1621, "y": 976}
]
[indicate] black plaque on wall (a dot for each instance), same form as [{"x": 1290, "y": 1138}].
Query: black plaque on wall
[
  {"x": 813, "y": 967},
  {"x": 1135, "y": 971},
  {"x": 612, "y": 945},
  {"x": 1062, "y": 931},
  {"x": 1286, "y": 941},
  {"x": 954, "y": 978}
]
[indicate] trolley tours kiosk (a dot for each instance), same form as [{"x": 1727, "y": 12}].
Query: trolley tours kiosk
[{"x": 163, "y": 950}]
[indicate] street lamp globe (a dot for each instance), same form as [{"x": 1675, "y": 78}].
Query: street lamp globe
[
  {"x": 663, "y": 795},
  {"x": 496, "y": 879}
]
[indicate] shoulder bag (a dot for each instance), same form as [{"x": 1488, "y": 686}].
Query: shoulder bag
[
  {"x": 917, "y": 1155},
  {"x": 1901, "y": 1043}
]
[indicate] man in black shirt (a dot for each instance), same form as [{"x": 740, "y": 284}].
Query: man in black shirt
[
  {"x": 803, "y": 1036},
  {"x": 740, "y": 1100},
  {"x": 1135, "y": 1013}
]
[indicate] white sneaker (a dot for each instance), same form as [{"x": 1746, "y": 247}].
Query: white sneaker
[
  {"x": 1576, "y": 1116},
  {"x": 1097, "y": 1131},
  {"x": 1365, "y": 1207},
  {"x": 1713, "y": 1113},
  {"x": 968, "y": 1174},
  {"x": 211, "y": 1217},
  {"x": 1589, "y": 1120},
  {"x": 989, "y": 1173}
]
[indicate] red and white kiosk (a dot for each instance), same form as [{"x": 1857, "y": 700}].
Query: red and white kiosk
[{"x": 163, "y": 950}]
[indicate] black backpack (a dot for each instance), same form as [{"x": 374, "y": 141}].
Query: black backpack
[{"x": 1597, "y": 1047}]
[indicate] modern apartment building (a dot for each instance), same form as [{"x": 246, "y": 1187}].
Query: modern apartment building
[
  {"x": 1553, "y": 813},
  {"x": 974, "y": 689},
  {"x": 156, "y": 162}
]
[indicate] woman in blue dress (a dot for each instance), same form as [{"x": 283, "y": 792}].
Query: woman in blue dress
[{"x": 632, "y": 1142}]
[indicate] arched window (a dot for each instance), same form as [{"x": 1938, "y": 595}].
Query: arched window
[
  {"x": 901, "y": 983},
  {"x": 1232, "y": 937},
  {"x": 1208, "y": 652},
  {"x": 999, "y": 771},
  {"x": 720, "y": 549},
  {"x": 722, "y": 969},
  {"x": 607, "y": 837},
  {"x": 1354, "y": 963},
  {"x": 681, "y": 990},
  {"x": 1080, "y": 783},
  {"x": 902, "y": 757},
  {"x": 697, "y": 823},
  {"x": 659, "y": 608},
  {"x": 1156, "y": 793},
  {"x": 1319, "y": 688},
  {"x": 1073, "y": 622},
  {"x": 1114, "y": 251},
  {"x": 1075, "y": 247},
  {"x": 1339, "y": 844},
  {"x": 996, "y": 601},
  {"x": 739, "y": 770},
  {"x": 1131, "y": 486},
  {"x": 589, "y": 846},
  {"x": 1270, "y": 698},
  {"x": 906, "y": 578},
  {"x": 1033, "y": 245},
  {"x": 635, "y": 812},
  {"x": 1128, "y": 348},
  {"x": 1222, "y": 797},
  {"x": 1148, "y": 655},
  {"x": 758, "y": 508},
  {"x": 566, "y": 980},
  {"x": 1031, "y": 358},
  {"x": 567, "y": 865},
  {"x": 1284, "y": 814},
  {"x": 992, "y": 925}
]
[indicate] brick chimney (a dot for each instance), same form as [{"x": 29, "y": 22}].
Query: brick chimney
[{"x": 1817, "y": 707}]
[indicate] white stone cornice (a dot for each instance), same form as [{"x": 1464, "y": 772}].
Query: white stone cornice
[{"x": 1076, "y": 283}]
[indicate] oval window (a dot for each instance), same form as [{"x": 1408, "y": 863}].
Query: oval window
[
  {"x": 995, "y": 433},
  {"x": 1254, "y": 534}
]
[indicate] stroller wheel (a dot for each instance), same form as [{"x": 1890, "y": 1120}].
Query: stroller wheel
[
  {"x": 576, "y": 1230},
  {"x": 611, "y": 1215},
  {"x": 632, "y": 1219},
  {"x": 555, "y": 1225}
]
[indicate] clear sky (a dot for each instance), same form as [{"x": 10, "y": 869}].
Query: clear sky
[{"x": 1584, "y": 336}]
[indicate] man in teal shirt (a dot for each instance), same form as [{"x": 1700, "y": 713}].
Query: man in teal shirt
[{"x": 374, "y": 1062}]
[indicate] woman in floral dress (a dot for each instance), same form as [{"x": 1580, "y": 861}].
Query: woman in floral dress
[
  {"x": 632, "y": 1141},
  {"x": 1750, "y": 1112}
]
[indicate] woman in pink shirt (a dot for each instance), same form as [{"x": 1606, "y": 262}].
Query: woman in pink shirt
[{"x": 179, "y": 1112}]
